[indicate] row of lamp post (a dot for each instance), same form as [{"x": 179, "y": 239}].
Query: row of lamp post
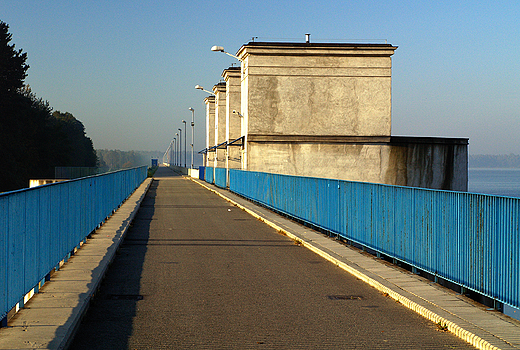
[
  {"x": 176, "y": 147},
  {"x": 198, "y": 87},
  {"x": 176, "y": 156}
]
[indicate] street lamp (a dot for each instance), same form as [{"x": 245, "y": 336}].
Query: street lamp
[
  {"x": 198, "y": 87},
  {"x": 180, "y": 146},
  {"x": 175, "y": 145},
  {"x": 185, "y": 137},
  {"x": 221, "y": 49},
  {"x": 172, "y": 152},
  {"x": 192, "y": 127}
]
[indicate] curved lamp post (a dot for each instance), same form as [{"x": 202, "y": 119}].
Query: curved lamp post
[
  {"x": 198, "y": 87},
  {"x": 180, "y": 146},
  {"x": 221, "y": 49},
  {"x": 173, "y": 150},
  {"x": 175, "y": 155},
  {"x": 192, "y": 127},
  {"x": 185, "y": 137}
]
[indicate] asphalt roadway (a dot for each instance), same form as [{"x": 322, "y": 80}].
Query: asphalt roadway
[{"x": 196, "y": 272}]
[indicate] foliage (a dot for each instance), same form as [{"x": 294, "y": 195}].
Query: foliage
[
  {"x": 152, "y": 170},
  {"x": 33, "y": 140},
  {"x": 115, "y": 159},
  {"x": 81, "y": 150},
  {"x": 13, "y": 69}
]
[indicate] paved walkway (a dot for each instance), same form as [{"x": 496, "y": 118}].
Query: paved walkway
[
  {"x": 211, "y": 276},
  {"x": 197, "y": 271}
]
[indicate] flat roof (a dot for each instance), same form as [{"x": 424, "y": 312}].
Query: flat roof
[
  {"x": 292, "y": 48},
  {"x": 330, "y": 45}
]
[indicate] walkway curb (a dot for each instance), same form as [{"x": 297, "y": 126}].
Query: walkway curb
[
  {"x": 465, "y": 329},
  {"x": 50, "y": 319}
]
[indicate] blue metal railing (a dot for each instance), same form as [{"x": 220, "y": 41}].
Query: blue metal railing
[
  {"x": 470, "y": 239},
  {"x": 40, "y": 226},
  {"x": 221, "y": 177},
  {"x": 208, "y": 175}
]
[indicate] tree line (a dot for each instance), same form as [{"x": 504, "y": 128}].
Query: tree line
[
  {"x": 115, "y": 159},
  {"x": 33, "y": 138},
  {"x": 494, "y": 161}
]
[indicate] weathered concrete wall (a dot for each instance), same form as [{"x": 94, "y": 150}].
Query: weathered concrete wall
[
  {"x": 316, "y": 89},
  {"x": 439, "y": 163},
  {"x": 417, "y": 162},
  {"x": 220, "y": 123},
  {"x": 233, "y": 121},
  {"x": 210, "y": 129}
]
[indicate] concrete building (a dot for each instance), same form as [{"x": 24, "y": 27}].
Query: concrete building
[
  {"x": 324, "y": 110},
  {"x": 220, "y": 125},
  {"x": 209, "y": 157},
  {"x": 233, "y": 120}
]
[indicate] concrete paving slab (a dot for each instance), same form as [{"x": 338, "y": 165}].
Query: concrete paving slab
[
  {"x": 469, "y": 321},
  {"x": 55, "y": 300}
]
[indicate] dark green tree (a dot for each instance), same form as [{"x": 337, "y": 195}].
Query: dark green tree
[
  {"x": 33, "y": 140},
  {"x": 13, "y": 69},
  {"x": 81, "y": 151},
  {"x": 13, "y": 109}
]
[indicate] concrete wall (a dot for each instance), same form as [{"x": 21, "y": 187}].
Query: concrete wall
[
  {"x": 220, "y": 123},
  {"x": 233, "y": 121},
  {"x": 419, "y": 162},
  {"x": 438, "y": 163},
  {"x": 316, "y": 89},
  {"x": 210, "y": 129},
  {"x": 193, "y": 173}
]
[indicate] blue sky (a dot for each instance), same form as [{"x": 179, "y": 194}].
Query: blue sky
[{"x": 127, "y": 69}]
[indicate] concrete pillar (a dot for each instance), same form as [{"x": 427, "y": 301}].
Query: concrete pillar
[
  {"x": 233, "y": 120},
  {"x": 316, "y": 89},
  {"x": 210, "y": 129},
  {"x": 220, "y": 123}
]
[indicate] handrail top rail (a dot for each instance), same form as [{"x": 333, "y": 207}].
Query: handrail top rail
[
  {"x": 66, "y": 181},
  {"x": 384, "y": 185}
]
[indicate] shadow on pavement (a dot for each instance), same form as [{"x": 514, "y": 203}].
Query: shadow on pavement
[{"x": 119, "y": 292}]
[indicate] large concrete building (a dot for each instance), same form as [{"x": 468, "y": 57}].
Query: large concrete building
[{"x": 324, "y": 110}]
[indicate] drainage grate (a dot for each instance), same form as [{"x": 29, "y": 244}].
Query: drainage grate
[
  {"x": 345, "y": 297},
  {"x": 125, "y": 297}
]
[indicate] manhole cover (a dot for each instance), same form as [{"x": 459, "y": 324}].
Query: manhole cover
[
  {"x": 125, "y": 297},
  {"x": 345, "y": 297}
]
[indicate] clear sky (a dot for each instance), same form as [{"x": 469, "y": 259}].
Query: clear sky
[{"x": 127, "y": 69}]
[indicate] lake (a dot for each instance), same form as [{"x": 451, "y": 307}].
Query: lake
[{"x": 500, "y": 182}]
